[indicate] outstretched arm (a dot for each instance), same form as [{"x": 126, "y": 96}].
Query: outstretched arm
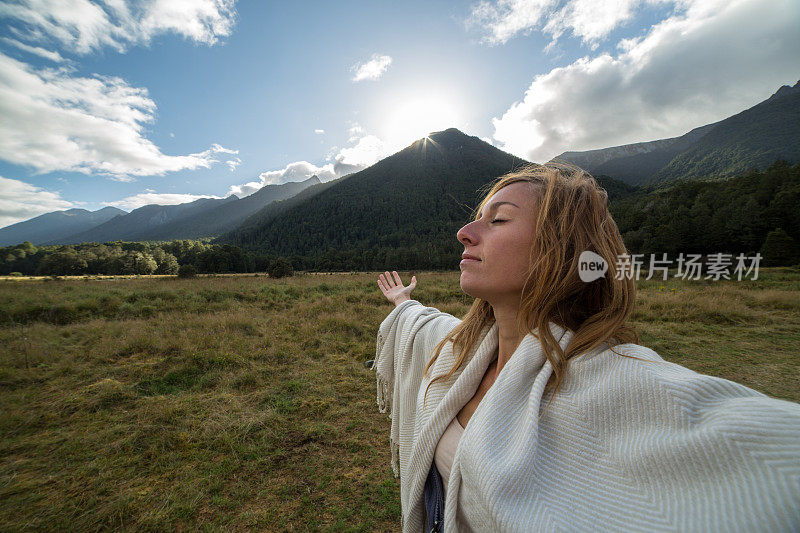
[
  {"x": 393, "y": 288},
  {"x": 406, "y": 339}
]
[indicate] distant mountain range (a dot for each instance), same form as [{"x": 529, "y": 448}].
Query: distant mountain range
[
  {"x": 226, "y": 217},
  {"x": 206, "y": 217},
  {"x": 56, "y": 225},
  {"x": 135, "y": 224},
  {"x": 408, "y": 205},
  {"x": 752, "y": 139}
]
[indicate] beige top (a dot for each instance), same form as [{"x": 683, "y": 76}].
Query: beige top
[{"x": 446, "y": 450}]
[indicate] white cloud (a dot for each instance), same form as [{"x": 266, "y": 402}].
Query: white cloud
[
  {"x": 233, "y": 163},
  {"x": 713, "y": 61},
  {"x": 589, "y": 20},
  {"x": 220, "y": 150},
  {"x": 297, "y": 171},
  {"x": 150, "y": 197},
  {"x": 203, "y": 21},
  {"x": 506, "y": 18},
  {"x": 355, "y": 131},
  {"x": 372, "y": 69},
  {"x": 55, "y": 121},
  {"x": 20, "y": 201},
  {"x": 83, "y": 26},
  {"x": 319, "y": 132},
  {"x": 366, "y": 151},
  {"x": 35, "y": 50}
]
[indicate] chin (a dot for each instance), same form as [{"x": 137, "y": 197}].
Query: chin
[{"x": 469, "y": 288}]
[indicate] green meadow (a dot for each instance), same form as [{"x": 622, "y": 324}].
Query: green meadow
[{"x": 242, "y": 402}]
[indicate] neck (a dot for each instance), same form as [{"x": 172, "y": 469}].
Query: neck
[{"x": 509, "y": 335}]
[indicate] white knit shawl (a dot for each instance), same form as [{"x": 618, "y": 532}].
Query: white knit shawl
[{"x": 625, "y": 444}]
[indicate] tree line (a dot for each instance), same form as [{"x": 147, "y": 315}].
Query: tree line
[
  {"x": 753, "y": 213},
  {"x": 120, "y": 258}
]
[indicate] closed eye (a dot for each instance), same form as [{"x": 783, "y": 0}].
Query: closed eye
[{"x": 498, "y": 220}]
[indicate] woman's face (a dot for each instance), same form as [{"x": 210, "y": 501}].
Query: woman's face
[{"x": 500, "y": 241}]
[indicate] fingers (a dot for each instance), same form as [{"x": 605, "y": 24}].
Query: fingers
[{"x": 387, "y": 281}]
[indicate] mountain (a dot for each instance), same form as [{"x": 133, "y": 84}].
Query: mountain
[
  {"x": 274, "y": 209},
  {"x": 56, "y": 225},
  {"x": 754, "y": 138},
  {"x": 226, "y": 217},
  {"x": 143, "y": 219},
  {"x": 590, "y": 160},
  {"x": 206, "y": 217},
  {"x": 636, "y": 168},
  {"x": 404, "y": 210},
  {"x": 786, "y": 90}
]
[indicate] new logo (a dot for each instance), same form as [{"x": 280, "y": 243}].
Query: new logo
[{"x": 591, "y": 266}]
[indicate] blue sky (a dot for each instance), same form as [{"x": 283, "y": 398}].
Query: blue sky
[{"x": 129, "y": 103}]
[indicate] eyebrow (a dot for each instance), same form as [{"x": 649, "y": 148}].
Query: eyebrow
[{"x": 495, "y": 205}]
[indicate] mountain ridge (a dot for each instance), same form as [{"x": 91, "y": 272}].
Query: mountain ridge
[
  {"x": 204, "y": 217},
  {"x": 42, "y": 228},
  {"x": 404, "y": 211},
  {"x": 407, "y": 206},
  {"x": 128, "y": 227},
  {"x": 226, "y": 217},
  {"x": 753, "y": 138}
]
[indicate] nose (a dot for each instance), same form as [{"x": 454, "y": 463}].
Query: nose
[{"x": 466, "y": 235}]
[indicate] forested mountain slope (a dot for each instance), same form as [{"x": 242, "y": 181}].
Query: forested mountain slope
[
  {"x": 404, "y": 210},
  {"x": 752, "y": 139}
]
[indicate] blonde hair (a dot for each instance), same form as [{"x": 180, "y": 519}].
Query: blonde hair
[{"x": 572, "y": 217}]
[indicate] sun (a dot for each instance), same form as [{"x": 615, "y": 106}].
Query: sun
[{"x": 414, "y": 119}]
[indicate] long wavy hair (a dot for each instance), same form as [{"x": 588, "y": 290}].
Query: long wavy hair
[{"x": 572, "y": 217}]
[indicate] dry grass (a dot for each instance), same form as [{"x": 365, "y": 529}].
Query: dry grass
[{"x": 241, "y": 402}]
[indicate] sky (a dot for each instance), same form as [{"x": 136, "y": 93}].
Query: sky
[{"x": 122, "y": 103}]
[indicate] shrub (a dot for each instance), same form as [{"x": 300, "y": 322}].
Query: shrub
[
  {"x": 187, "y": 271},
  {"x": 16, "y": 274},
  {"x": 167, "y": 264},
  {"x": 280, "y": 268},
  {"x": 779, "y": 249}
]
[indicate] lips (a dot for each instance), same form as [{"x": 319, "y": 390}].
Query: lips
[{"x": 468, "y": 257}]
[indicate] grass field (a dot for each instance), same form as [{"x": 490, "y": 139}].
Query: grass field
[{"x": 242, "y": 402}]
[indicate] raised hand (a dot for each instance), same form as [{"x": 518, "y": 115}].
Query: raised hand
[{"x": 393, "y": 288}]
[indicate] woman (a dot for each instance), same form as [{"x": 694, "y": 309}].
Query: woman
[{"x": 542, "y": 412}]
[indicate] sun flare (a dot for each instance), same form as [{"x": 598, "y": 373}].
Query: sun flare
[{"x": 415, "y": 119}]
